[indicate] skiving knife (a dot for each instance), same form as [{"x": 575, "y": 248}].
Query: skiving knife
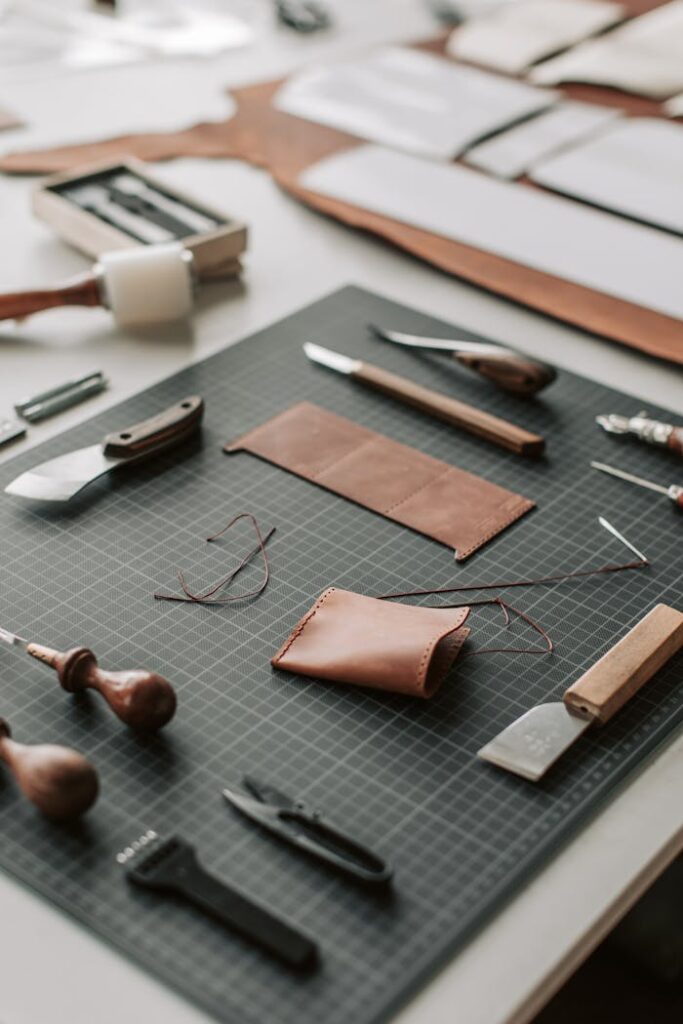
[
  {"x": 534, "y": 742},
  {"x": 61, "y": 478}
]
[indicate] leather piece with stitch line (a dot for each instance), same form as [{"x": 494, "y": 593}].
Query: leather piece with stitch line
[
  {"x": 362, "y": 641},
  {"x": 401, "y": 483}
]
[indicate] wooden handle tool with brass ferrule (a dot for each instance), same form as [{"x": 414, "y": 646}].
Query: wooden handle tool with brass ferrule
[
  {"x": 620, "y": 673},
  {"x": 59, "y": 781},
  {"x": 144, "y": 701}
]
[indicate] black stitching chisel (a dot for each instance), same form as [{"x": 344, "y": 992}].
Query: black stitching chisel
[{"x": 171, "y": 865}]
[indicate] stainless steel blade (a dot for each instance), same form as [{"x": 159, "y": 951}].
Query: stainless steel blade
[
  {"x": 611, "y": 471},
  {"x": 59, "y": 479},
  {"x": 442, "y": 344},
  {"x": 534, "y": 742},
  {"x": 269, "y": 794},
  {"x": 11, "y": 639},
  {"x": 333, "y": 360}
]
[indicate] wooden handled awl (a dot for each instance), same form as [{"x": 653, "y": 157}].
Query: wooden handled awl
[
  {"x": 534, "y": 742},
  {"x": 59, "y": 781},
  {"x": 144, "y": 700},
  {"x": 433, "y": 403}
]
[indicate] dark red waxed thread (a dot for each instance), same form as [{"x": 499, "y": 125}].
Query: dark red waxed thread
[
  {"x": 208, "y": 597},
  {"x": 506, "y": 608},
  {"x": 640, "y": 564}
]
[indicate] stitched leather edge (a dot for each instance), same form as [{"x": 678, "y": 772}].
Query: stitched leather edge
[
  {"x": 525, "y": 505},
  {"x": 429, "y": 651},
  {"x": 300, "y": 626}
]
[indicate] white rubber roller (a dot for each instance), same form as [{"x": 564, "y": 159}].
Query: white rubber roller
[{"x": 149, "y": 285}]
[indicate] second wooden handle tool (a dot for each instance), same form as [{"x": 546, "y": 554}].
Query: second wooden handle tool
[{"x": 458, "y": 414}]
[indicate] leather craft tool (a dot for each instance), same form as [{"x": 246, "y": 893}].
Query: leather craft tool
[
  {"x": 674, "y": 492},
  {"x": 171, "y": 865},
  {"x": 292, "y": 821},
  {"x": 61, "y": 478},
  {"x": 506, "y": 368},
  {"x": 11, "y": 430},
  {"x": 535, "y": 741},
  {"x": 143, "y": 700},
  {"x": 303, "y": 15},
  {"x": 458, "y": 414},
  {"x": 146, "y": 285},
  {"x": 54, "y": 400},
  {"x": 645, "y": 429},
  {"x": 59, "y": 781}
]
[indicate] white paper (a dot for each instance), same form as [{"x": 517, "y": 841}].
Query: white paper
[
  {"x": 674, "y": 106},
  {"x": 636, "y": 169},
  {"x": 410, "y": 100},
  {"x": 644, "y": 56},
  {"x": 513, "y": 37},
  {"x": 514, "y": 152},
  {"x": 539, "y": 230}
]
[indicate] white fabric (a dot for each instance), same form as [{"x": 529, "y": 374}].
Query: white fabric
[
  {"x": 542, "y": 231},
  {"x": 513, "y": 37},
  {"x": 410, "y": 100}
]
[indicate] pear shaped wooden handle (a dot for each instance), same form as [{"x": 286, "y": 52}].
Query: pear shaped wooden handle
[
  {"x": 59, "y": 781},
  {"x": 143, "y": 700},
  {"x": 84, "y": 292},
  {"x": 612, "y": 681},
  {"x": 515, "y": 373}
]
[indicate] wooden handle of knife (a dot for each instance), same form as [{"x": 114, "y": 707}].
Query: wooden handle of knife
[
  {"x": 165, "y": 429},
  {"x": 458, "y": 414},
  {"x": 84, "y": 292},
  {"x": 612, "y": 681},
  {"x": 675, "y": 442},
  {"x": 515, "y": 373}
]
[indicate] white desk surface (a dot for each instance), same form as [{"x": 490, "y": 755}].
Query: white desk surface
[{"x": 510, "y": 969}]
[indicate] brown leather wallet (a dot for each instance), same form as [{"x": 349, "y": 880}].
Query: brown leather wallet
[
  {"x": 348, "y": 638},
  {"x": 405, "y": 485}
]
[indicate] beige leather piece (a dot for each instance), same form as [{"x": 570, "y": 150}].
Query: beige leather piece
[
  {"x": 441, "y": 501},
  {"x": 362, "y": 641}
]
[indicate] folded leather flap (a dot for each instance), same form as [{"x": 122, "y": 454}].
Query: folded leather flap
[
  {"x": 405, "y": 485},
  {"x": 349, "y": 638}
]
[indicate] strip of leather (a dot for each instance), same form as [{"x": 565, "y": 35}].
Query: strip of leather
[
  {"x": 361, "y": 641},
  {"x": 432, "y": 497}
]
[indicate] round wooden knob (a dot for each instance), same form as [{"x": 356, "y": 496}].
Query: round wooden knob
[
  {"x": 143, "y": 700},
  {"x": 59, "y": 781}
]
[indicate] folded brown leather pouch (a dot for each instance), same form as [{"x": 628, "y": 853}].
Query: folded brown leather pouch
[
  {"x": 401, "y": 483},
  {"x": 348, "y": 638}
]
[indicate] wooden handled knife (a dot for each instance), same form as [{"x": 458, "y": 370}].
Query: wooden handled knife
[
  {"x": 61, "y": 478},
  {"x": 534, "y": 742}
]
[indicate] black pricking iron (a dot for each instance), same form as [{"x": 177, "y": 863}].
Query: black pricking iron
[{"x": 171, "y": 865}]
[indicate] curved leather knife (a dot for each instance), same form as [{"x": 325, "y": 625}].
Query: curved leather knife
[
  {"x": 61, "y": 478},
  {"x": 290, "y": 820}
]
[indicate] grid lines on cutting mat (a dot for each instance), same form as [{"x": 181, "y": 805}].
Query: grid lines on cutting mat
[{"x": 400, "y": 773}]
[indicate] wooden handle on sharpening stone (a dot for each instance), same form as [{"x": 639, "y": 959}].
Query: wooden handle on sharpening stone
[
  {"x": 458, "y": 414},
  {"x": 142, "y": 700},
  {"x": 59, "y": 781},
  {"x": 612, "y": 681}
]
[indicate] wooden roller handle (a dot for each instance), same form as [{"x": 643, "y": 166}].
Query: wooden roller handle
[
  {"x": 458, "y": 414},
  {"x": 510, "y": 372},
  {"x": 142, "y": 700},
  {"x": 59, "y": 781},
  {"x": 166, "y": 429},
  {"x": 675, "y": 441},
  {"x": 612, "y": 681},
  {"x": 84, "y": 292}
]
